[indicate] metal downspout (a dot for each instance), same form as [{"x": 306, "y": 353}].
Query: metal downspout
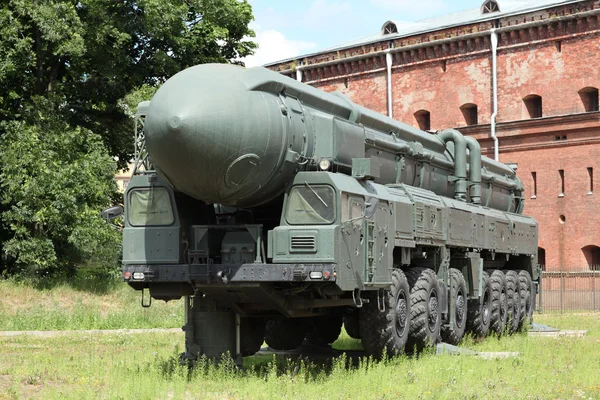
[
  {"x": 474, "y": 169},
  {"x": 298, "y": 74},
  {"x": 388, "y": 63},
  {"x": 494, "y": 41},
  {"x": 440, "y": 42},
  {"x": 460, "y": 161}
]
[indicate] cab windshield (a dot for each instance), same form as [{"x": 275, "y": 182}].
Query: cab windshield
[
  {"x": 310, "y": 205},
  {"x": 150, "y": 206}
]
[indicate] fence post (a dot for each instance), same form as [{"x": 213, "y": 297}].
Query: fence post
[
  {"x": 594, "y": 288},
  {"x": 540, "y": 290},
  {"x": 562, "y": 288}
]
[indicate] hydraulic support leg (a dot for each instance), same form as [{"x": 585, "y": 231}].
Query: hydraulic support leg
[{"x": 210, "y": 330}]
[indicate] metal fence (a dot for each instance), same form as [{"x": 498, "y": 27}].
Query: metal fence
[{"x": 569, "y": 291}]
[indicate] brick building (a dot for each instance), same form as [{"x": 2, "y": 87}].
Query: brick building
[{"x": 527, "y": 73}]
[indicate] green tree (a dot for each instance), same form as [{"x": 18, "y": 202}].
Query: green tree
[
  {"x": 69, "y": 73},
  {"x": 55, "y": 179},
  {"x": 90, "y": 54}
]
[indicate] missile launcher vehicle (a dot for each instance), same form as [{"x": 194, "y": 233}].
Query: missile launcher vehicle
[{"x": 280, "y": 212}]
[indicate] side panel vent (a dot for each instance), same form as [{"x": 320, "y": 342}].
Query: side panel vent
[{"x": 304, "y": 244}]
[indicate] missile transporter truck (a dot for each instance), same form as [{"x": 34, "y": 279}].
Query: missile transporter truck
[{"x": 280, "y": 212}]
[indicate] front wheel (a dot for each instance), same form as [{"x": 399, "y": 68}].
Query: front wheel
[
  {"x": 285, "y": 333},
  {"x": 458, "y": 293},
  {"x": 499, "y": 302},
  {"x": 480, "y": 310},
  {"x": 252, "y": 331},
  {"x": 351, "y": 324},
  {"x": 323, "y": 331},
  {"x": 426, "y": 316},
  {"x": 388, "y": 330}
]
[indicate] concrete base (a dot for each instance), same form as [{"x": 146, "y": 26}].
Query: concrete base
[
  {"x": 445, "y": 348},
  {"x": 548, "y": 331},
  {"x": 572, "y": 333}
]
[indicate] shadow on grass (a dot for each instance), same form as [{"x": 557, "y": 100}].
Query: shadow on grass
[
  {"x": 96, "y": 280},
  {"x": 313, "y": 367},
  {"x": 93, "y": 280}
]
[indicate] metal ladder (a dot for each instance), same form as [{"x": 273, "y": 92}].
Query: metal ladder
[{"x": 370, "y": 251}]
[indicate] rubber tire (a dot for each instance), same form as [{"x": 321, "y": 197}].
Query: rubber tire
[
  {"x": 459, "y": 292},
  {"x": 423, "y": 284},
  {"x": 324, "y": 330},
  {"x": 351, "y": 324},
  {"x": 514, "y": 301},
  {"x": 480, "y": 310},
  {"x": 252, "y": 332},
  {"x": 499, "y": 302},
  {"x": 387, "y": 331},
  {"x": 526, "y": 293},
  {"x": 285, "y": 334}
]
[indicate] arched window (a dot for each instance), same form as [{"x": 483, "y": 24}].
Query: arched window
[
  {"x": 542, "y": 258},
  {"x": 533, "y": 104},
  {"x": 589, "y": 97},
  {"x": 388, "y": 28},
  {"x": 423, "y": 119},
  {"x": 592, "y": 256},
  {"x": 469, "y": 111},
  {"x": 490, "y": 6}
]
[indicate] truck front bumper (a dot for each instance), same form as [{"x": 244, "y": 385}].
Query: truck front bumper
[{"x": 202, "y": 274}]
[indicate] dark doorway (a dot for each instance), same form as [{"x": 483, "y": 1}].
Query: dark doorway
[
  {"x": 592, "y": 256},
  {"x": 589, "y": 98},
  {"x": 423, "y": 119},
  {"x": 533, "y": 103},
  {"x": 469, "y": 112},
  {"x": 542, "y": 258}
]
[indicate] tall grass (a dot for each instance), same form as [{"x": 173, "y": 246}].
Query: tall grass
[
  {"x": 88, "y": 301},
  {"x": 145, "y": 366}
]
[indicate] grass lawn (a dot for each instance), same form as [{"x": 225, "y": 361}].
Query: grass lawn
[
  {"x": 84, "y": 303},
  {"x": 144, "y": 366}
]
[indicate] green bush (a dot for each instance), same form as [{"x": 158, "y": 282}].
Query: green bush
[{"x": 54, "y": 180}]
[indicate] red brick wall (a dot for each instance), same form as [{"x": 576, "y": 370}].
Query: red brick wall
[
  {"x": 562, "y": 241},
  {"x": 442, "y": 93},
  {"x": 543, "y": 70},
  {"x": 554, "y": 61},
  {"x": 368, "y": 90}
]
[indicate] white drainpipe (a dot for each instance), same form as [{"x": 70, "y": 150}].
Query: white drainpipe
[
  {"x": 298, "y": 74},
  {"x": 388, "y": 62},
  {"x": 494, "y": 40}
]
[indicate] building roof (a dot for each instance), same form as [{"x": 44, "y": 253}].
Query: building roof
[{"x": 474, "y": 15}]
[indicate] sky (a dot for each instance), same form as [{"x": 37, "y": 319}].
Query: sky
[{"x": 286, "y": 29}]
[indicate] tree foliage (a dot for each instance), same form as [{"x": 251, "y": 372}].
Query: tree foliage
[
  {"x": 70, "y": 72},
  {"x": 55, "y": 179},
  {"x": 90, "y": 54}
]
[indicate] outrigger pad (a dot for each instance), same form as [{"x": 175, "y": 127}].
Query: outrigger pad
[{"x": 210, "y": 331}]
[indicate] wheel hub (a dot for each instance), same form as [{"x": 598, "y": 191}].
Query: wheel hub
[
  {"x": 433, "y": 311},
  {"x": 460, "y": 309},
  {"x": 401, "y": 316},
  {"x": 485, "y": 310}
]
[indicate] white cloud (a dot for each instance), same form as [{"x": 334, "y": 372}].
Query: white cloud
[
  {"x": 274, "y": 46},
  {"x": 322, "y": 12},
  {"x": 411, "y": 7}
]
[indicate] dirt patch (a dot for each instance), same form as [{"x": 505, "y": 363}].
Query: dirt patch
[{"x": 5, "y": 383}]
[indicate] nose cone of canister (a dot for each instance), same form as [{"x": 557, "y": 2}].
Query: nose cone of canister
[{"x": 212, "y": 138}]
